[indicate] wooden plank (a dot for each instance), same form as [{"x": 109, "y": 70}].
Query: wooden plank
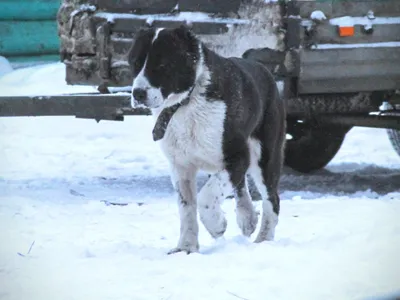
[
  {"x": 209, "y": 28},
  {"x": 121, "y": 46},
  {"x": 380, "y": 8},
  {"x": 80, "y": 77},
  {"x": 328, "y": 34},
  {"x": 349, "y": 85},
  {"x": 29, "y": 9},
  {"x": 83, "y": 105},
  {"x": 129, "y": 25},
  {"x": 342, "y": 55},
  {"x": 293, "y": 33},
  {"x": 210, "y": 6},
  {"x": 136, "y": 6},
  {"x": 349, "y": 70},
  {"x": 120, "y": 75},
  {"x": 28, "y": 38}
]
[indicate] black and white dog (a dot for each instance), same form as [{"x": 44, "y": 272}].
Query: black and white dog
[{"x": 220, "y": 115}]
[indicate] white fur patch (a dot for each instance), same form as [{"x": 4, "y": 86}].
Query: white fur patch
[
  {"x": 269, "y": 221},
  {"x": 269, "y": 218},
  {"x": 255, "y": 170},
  {"x": 212, "y": 194},
  {"x": 158, "y": 30},
  {"x": 175, "y": 98},
  {"x": 195, "y": 133},
  {"x": 184, "y": 180}
]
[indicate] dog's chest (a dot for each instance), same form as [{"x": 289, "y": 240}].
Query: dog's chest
[{"x": 195, "y": 135}]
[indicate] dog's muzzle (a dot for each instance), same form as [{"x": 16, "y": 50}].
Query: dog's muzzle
[{"x": 140, "y": 95}]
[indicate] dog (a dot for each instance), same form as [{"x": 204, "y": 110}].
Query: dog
[{"x": 220, "y": 115}]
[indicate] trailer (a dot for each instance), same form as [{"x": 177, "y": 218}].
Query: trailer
[{"x": 337, "y": 60}]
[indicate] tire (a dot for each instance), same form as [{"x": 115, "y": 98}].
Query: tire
[
  {"x": 312, "y": 146},
  {"x": 394, "y": 137}
]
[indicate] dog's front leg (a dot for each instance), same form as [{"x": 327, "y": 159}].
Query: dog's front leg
[{"x": 184, "y": 181}]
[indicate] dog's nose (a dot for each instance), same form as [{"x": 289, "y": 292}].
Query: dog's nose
[{"x": 139, "y": 94}]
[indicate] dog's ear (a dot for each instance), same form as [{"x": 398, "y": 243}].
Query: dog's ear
[
  {"x": 140, "y": 44},
  {"x": 189, "y": 47}
]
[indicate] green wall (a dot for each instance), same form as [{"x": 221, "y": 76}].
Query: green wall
[{"x": 28, "y": 30}]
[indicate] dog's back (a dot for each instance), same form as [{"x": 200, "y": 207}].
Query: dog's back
[{"x": 249, "y": 90}]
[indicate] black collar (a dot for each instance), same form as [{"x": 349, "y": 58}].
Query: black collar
[{"x": 166, "y": 115}]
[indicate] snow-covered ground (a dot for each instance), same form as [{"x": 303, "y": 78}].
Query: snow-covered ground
[
  {"x": 338, "y": 236},
  {"x": 5, "y": 66}
]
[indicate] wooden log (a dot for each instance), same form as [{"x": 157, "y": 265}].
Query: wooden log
[
  {"x": 29, "y": 9},
  {"x": 28, "y": 38}
]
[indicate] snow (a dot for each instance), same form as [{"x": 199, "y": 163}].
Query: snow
[
  {"x": 338, "y": 236},
  {"x": 48, "y": 79},
  {"x": 358, "y": 45},
  {"x": 318, "y": 15},
  {"x": 181, "y": 16},
  {"x": 5, "y": 66},
  {"x": 83, "y": 8},
  {"x": 351, "y": 21}
]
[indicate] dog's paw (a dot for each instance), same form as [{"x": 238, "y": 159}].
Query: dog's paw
[
  {"x": 188, "y": 245},
  {"x": 187, "y": 250},
  {"x": 178, "y": 250},
  {"x": 220, "y": 229},
  {"x": 266, "y": 235},
  {"x": 247, "y": 221},
  {"x": 215, "y": 227}
]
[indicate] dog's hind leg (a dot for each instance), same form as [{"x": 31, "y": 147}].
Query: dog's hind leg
[
  {"x": 184, "y": 181},
  {"x": 246, "y": 216},
  {"x": 237, "y": 165},
  {"x": 210, "y": 197},
  {"x": 266, "y": 174}
]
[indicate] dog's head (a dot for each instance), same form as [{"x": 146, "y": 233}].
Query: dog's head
[{"x": 164, "y": 64}]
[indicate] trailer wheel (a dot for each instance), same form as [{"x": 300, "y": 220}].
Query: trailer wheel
[
  {"x": 310, "y": 147},
  {"x": 394, "y": 137}
]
